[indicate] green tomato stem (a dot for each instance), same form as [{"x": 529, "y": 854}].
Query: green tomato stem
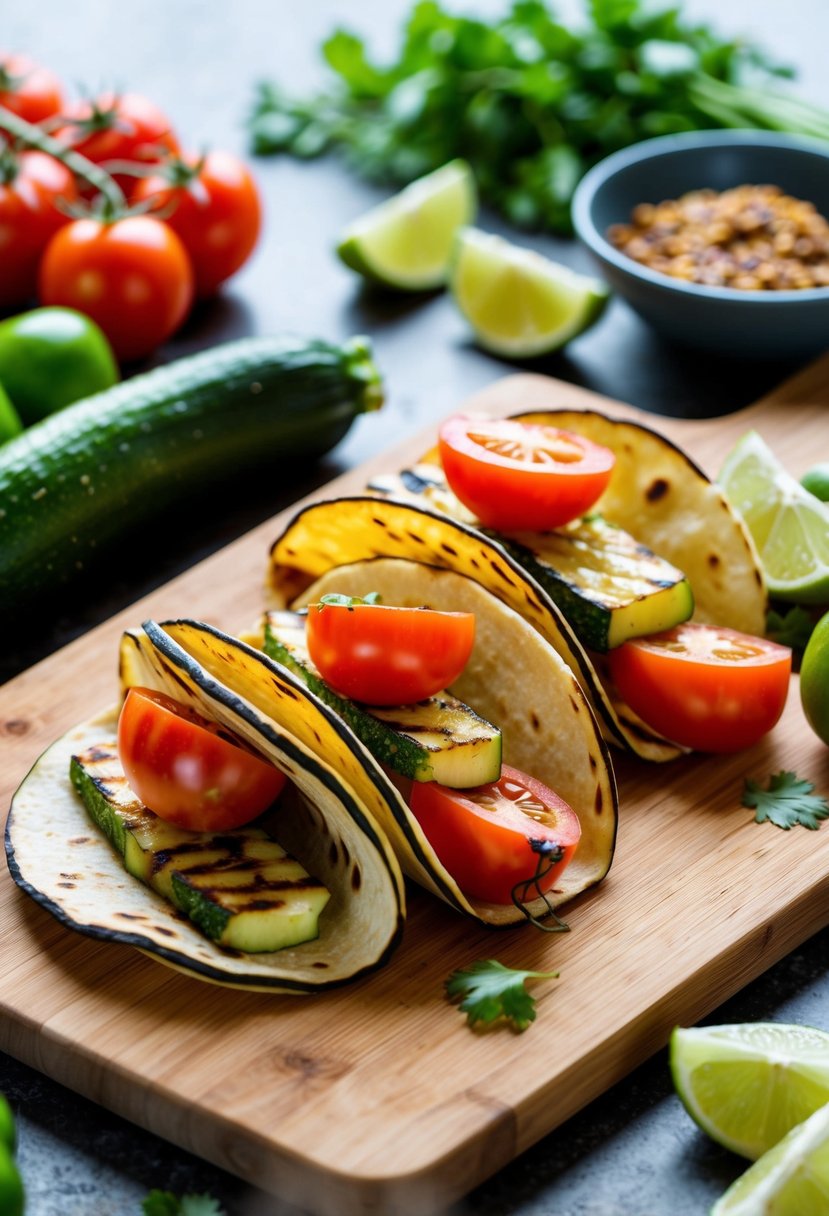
[{"x": 35, "y": 137}]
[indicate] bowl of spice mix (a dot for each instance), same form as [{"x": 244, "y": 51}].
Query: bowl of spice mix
[{"x": 719, "y": 239}]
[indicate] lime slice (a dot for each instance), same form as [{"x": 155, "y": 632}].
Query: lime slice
[
  {"x": 790, "y": 526},
  {"x": 519, "y": 303},
  {"x": 407, "y": 241},
  {"x": 748, "y": 1084},
  {"x": 792, "y": 1179}
]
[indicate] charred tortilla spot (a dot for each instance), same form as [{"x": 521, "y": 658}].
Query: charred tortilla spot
[
  {"x": 658, "y": 488},
  {"x": 66, "y": 884},
  {"x": 448, "y": 549},
  {"x": 418, "y": 540},
  {"x": 131, "y": 915},
  {"x": 502, "y": 574},
  {"x": 536, "y": 724},
  {"x": 164, "y": 931},
  {"x": 713, "y": 560},
  {"x": 575, "y": 704},
  {"x": 599, "y": 800},
  {"x": 381, "y": 523},
  {"x": 80, "y": 839}
]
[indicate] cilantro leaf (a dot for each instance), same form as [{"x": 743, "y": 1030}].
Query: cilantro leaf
[
  {"x": 792, "y": 628},
  {"x": 348, "y": 601},
  {"x": 787, "y": 802},
  {"x": 488, "y": 991},
  {"x": 165, "y": 1203}
]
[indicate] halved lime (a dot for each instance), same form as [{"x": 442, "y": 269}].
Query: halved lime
[
  {"x": 791, "y": 1179},
  {"x": 748, "y": 1084},
  {"x": 407, "y": 241},
  {"x": 519, "y": 303},
  {"x": 790, "y": 526}
]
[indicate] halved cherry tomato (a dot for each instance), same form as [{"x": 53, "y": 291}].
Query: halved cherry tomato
[
  {"x": 132, "y": 276},
  {"x": 388, "y": 656},
  {"x": 517, "y": 475},
  {"x": 31, "y": 186},
  {"x": 27, "y": 89},
  {"x": 188, "y": 770},
  {"x": 212, "y": 204},
  {"x": 704, "y": 686},
  {"x": 483, "y": 836}
]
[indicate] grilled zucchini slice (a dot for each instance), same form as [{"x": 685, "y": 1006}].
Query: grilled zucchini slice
[
  {"x": 240, "y": 888},
  {"x": 439, "y": 739},
  {"x": 608, "y": 585}
]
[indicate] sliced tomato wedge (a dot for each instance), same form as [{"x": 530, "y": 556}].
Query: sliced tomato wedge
[
  {"x": 504, "y": 842},
  {"x": 188, "y": 770},
  {"x": 703, "y": 686},
  {"x": 517, "y": 476},
  {"x": 388, "y": 656}
]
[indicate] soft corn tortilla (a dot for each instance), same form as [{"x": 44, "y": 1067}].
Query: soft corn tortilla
[
  {"x": 344, "y": 530},
  {"x": 58, "y": 856},
  {"x": 660, "y": 497},
  {"x": 517, "y": 681}
]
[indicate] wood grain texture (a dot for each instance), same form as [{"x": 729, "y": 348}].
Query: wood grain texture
[{"x": 378, "y": 1098}]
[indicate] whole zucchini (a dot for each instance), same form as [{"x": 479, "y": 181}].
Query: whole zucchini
[{"x": 75, "y": 480}]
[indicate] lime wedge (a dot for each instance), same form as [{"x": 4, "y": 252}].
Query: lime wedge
[
  {"x": 792, "y": 1179},
  {"x": 519, "y": 303},
  {"x": 748, "y": 1084},
  {"x": 790, "y": 526},
  {"x": 407, "y": 241}
]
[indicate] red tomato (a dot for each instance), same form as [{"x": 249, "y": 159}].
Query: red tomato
[
  {"x": 517, "y": 475},
  {"x": 190, "y": 771},
  {"x": 388, "y": 656},
  {"x": 27, "y": 89},
  {"x": 483, "y": 836},
  {"x": 31, "y": 184},
  {"x": 124, "y": 126},
  {"x": 213, "y": 207},
  {"x": 704, "y": 686},
  {"x": 132, "y": 276}
]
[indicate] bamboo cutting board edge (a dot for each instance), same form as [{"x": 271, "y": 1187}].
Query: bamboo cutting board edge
[{"x": 502, "y": 1129}]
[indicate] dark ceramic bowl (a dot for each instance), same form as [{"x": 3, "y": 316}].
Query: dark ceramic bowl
[{"x": 750, "y": 324}]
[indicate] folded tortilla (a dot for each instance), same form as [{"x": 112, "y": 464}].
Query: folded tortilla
[
  {"x": 514, "y": 678},
  {"x": 656, "y": 493},
  {"x": 62, "y": 860}
]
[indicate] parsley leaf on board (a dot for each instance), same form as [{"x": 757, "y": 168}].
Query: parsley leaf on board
[
  {"x": 164, "y": 1203},
  {"x": 488, "y": 991},
  {"x": 787, "y": 802},
  {"x": 530, "y": 100}
]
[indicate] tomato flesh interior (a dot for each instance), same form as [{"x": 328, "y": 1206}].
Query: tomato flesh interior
[
  {"x": 484, "y": 836},
  {"x": 706, "y": 687},
  {"x": 517, "y": 476},
  {"x": 190, "y": 771},
  {"x": 388, "y": 656}
]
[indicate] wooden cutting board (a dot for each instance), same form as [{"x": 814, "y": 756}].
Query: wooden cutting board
[{"x": 378, "y": 1098}]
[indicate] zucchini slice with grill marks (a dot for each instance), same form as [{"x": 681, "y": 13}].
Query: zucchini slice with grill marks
[
  {"x": 437, "y": 739},
  {"x": 241, "y": 888},
  {"x": 608, "y": 585}
]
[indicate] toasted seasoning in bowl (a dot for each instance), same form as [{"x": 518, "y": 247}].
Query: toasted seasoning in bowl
[{"x": 750, "y": 238}]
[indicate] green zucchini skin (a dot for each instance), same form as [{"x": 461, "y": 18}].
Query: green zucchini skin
[{"x": 72, "y": 483}]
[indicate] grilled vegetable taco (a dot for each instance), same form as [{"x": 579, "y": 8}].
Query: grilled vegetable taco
[
  {"x": 659, "y": 543},
  {"x": 305, "y": 898},
  {"x": 515, "y": 701}
]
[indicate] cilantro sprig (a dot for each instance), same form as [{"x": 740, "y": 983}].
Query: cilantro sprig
[
  {"x": 787, "y": 802},
  {"x": 531, "y": 101},
  {"x": 489, "y": 992},
  {"x": 165, "y": 1203}
]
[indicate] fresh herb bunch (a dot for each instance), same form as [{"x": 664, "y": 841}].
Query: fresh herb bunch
[{"x": 529, "y": 101}]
